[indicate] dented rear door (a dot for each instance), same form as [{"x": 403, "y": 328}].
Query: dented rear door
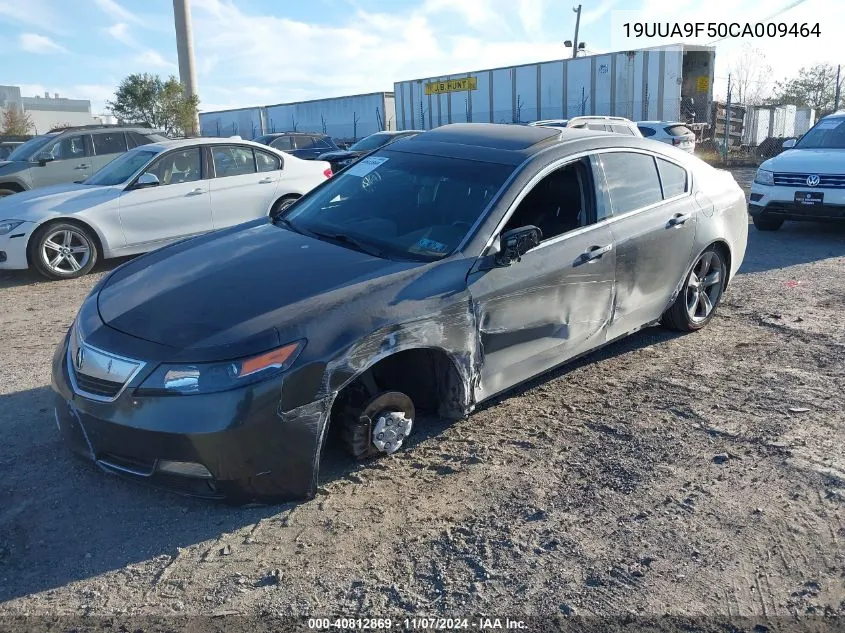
[{"x": 543, "y": 310}]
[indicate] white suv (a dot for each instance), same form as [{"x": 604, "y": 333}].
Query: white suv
[
  {"x": 617, "y": 124},
  {"x": 806, "y": 182}
]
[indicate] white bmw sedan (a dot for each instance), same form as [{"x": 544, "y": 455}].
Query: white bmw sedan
[{"x": 149, "y": 197}]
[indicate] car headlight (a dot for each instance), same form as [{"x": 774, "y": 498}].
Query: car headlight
[
  {"x": 198, "y": 378},
  {"x": 7, "y": 226},
  {"x": 764, "y": 177}
]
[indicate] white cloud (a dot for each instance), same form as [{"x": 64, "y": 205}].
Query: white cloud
[
  {"x": 291, "y": 61},
  {"x": 37, "y": 13},
  {"x": 591, "y": 16},
  {"x": 39, "y": 44},
  {"x": 152, "y": 59},
  {"x": 531, "y": 13},
  {"x": 116, "y": 11},
  {"x": 120, "y": 32}
]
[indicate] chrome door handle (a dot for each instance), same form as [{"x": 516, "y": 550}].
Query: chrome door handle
[
  {"x": 82, "y": 167},
  {"x": 595, "y": 252},
  {"x": 265, "y": 181},
  {"x": 679, "y": 218},
  {"x": 196, "y": 192}
]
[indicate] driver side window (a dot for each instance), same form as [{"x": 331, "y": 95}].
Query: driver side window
[
  {"x": 562, "y": 201},
  {"x": 177, "y": 167},
  {"x": 68, "y": 147}
]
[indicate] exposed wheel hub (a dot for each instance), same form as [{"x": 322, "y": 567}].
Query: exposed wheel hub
[
  {"x": 390, "y": 430},
  {"x": 389, "y": 417}
]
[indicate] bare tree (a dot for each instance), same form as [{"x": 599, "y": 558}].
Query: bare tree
[
  {"x": 751, "y": 75},
  {"x": 15, "y": 121}
]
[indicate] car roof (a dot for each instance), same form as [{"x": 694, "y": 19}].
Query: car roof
[
  {"x": 199, "y": 140},
  {"x": 660, "y": 123},
  {"x": 490, "y": 142},
  {"x": 291, "y": 132}
]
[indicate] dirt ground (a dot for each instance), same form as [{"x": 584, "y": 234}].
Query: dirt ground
[{"x": 698, "y": 474}]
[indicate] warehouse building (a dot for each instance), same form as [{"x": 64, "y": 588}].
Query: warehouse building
[
  {"x": 663, "y": 83},
  {"x": 48, "y": 112},
  {"x": 343, "y": 118}
]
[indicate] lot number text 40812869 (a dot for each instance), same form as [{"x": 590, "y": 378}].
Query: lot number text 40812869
[{"x": 720, "y": 29}]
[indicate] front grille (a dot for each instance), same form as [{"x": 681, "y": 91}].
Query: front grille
[
  {"x": 826, "y": 181},
  {"x": 97, "y": 386}
]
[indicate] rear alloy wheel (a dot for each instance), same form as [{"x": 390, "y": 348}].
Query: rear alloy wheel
[
  {"x": 767, "y": 224},
  {"x": 696, "y": 303},
  {"x": 63, "y": 251}
]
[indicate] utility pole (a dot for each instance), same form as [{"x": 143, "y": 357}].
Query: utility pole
[
  {"x": 727, "y": 119},
  {"x": 185, "y": 51},
  {"x": 577, "y": 24},
  {"x": 836, "y": 98}
]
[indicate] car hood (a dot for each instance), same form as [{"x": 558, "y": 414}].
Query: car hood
[
  {"x": 56, "y": 199},
  {"x": 807, "y": 161},
  {"x": 12, "y": 166},
  {"x": 60, "y": 199},
  {"x": 339, "y": 155},
  {"x": 239, "y": 291}
]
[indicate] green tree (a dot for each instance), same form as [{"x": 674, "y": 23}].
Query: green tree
[
  {"x": 813, "y": 87},
  {"x": 15, "y": 121},
  {"x": 149, "y": 100}
]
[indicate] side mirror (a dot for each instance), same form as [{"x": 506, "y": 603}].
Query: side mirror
[
  {"x": 146, "y": 180},
  {"x": 790, "y": 143},
  {"x": 44, "y": 157},
  {"x": 515, "y": 243}
]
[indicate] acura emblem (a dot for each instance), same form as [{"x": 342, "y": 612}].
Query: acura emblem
[
  {"x": 813, "y": 180},
  {"x": 80, "y": 358}
]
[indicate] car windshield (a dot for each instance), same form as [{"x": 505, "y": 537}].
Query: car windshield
[
  {"x": 31, "y": 147},
  {"x": 121, "y": 168},
  {"x": 400, "y": 205},
  {"x": 678, "y": 130},
  {"x": 374, "y": 141},
  {"x": 827, "y": 134}
]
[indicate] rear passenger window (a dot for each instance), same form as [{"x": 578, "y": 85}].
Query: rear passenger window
[
  {"x": 136, "y": 139},
  {"x": 622, "y": 129},
  {"x": 231, "y": 160},
  {"x": 632, "y": 181},
  {"x": 283, "y": 143},
  {"x": 597, "y": 127},
  {"x": 672, "y": 177},
  {"x": 112, "y": 143},
  {"x": 267, "y": 162}
]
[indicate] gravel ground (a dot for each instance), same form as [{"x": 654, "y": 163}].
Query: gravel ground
[{"x": 698, "y": 474}]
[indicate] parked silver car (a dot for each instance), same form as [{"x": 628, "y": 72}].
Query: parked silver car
[{"x": 68, "y": 155}]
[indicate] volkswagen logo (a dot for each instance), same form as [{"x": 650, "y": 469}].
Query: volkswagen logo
[
  {"x": 80, "y": 358},
  {"x": 813, "y": 180}
]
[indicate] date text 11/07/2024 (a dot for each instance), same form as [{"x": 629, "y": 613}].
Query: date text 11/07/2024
[
  {"x": 721, "y": 29},
  {"x": 422, "y": 624}
]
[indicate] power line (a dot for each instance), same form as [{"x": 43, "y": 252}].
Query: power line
[{"x": 764, "y": 20}]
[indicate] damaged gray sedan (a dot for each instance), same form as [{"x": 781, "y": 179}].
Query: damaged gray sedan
[{"x": 430, "y": 276}]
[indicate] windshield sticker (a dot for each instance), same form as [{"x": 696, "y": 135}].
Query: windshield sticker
[
  {"x": 829, "y": 125},
  {"x": 431, "y": 245},
  {"x": 365, "y": 166}
]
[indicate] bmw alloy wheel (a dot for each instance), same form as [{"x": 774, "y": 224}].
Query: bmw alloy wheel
[{"x": 65, "y": 251}]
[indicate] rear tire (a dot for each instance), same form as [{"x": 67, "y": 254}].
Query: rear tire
[
  {"x": 281, "y": 204},
  {"x": 61, "y": 250},
  {"x": 699, "y": 297},
  {"x": 767, "y": 224}
]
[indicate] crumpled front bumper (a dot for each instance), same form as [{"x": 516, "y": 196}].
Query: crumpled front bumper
[{"x": 249, "y": 440}]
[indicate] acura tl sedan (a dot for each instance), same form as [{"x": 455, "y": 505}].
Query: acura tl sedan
[
  {"x": 428, "y": 277},
  {"x": 148, "y": 197}
]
